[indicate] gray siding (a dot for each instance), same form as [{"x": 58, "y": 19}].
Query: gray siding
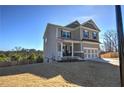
[
  {"x": 76, "y": 34},
  {"x": 77, "y": 47},
  {"x": 50, "y": 45}
]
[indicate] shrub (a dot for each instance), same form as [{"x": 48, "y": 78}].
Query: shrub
[
  {"x": 39, "y": 59},
  {"x": 32, "y": 57},
  {"x": 15, "y": 58},
  {"x": 3, "y": 58},
  {"x": 2, "y": 55}
]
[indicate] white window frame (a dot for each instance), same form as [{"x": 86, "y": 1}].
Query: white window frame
[
  {"x": 93, "y": 35},
  {"x": 85, "y": 31},
  {"x": 65, "y": 31}
]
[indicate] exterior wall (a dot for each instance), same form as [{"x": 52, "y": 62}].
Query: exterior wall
[
  {"x": 50, "y": 45},
  {"x": 77, "y": 47},
  {"x": 91, "y": 45},
  {"x": 75, "y": 34}
]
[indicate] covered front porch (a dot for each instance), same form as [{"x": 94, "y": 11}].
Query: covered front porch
[{"x": 70, "y": 49}]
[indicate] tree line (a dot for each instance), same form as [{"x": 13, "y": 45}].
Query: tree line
[
  {"x": 21, "y": 54},
  {"x": 110, "y": 41}
]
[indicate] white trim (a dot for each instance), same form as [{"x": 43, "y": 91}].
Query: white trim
[
  {"x": 61, "y": 49},
  {"x": 75, "y": 41},
  {"x": 80, "y": 33},
  {"x": 72, "y": 49},
  {"x": 89, "y": 29},
  {"x": 56, "y": 32},
  {"x": 92, "y": 22},
  {"x": 78, "y": 51},
  {"x": 89, "y": 48},
  {"x": 66, "y": 30},
  {"x": 90, "y": 42},
  {"x": 81, "y": 46}
]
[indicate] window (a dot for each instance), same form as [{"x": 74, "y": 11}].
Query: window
[
  {"x": 63, "y": 34},
  {"x": 94, "y": 35},
  {"x": 66, "y": 34},
  {"x": 85, "y": 34}
]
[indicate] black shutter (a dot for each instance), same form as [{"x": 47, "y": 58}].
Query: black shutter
[
  {"x": 70, "y": 34},
  {"x": 61, "y": 32}
]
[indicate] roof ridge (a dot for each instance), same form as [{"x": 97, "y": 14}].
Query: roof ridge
[{"x": 73, "y": 22}]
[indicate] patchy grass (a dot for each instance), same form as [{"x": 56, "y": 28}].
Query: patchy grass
[{"x": 61, "y": 75}]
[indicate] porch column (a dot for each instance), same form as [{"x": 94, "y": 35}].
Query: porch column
[
  {"x": 72, "y": 54},
  {"x": 61, "y": 49},
  {"x": 81, "y": 47}
]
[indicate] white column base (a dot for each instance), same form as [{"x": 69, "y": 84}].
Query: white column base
[{"x": 61, "y": 49}]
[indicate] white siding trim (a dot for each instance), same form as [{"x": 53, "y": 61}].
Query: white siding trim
[
  {"x": 90, "y": 42},
  {"x": 56, "y": 32},
  {"x": 89, "y": 29},
  {"x": 80, "y": 33},
  {"x": 90, "y": 48},
  {"x": 78, "y": 51},
  {"x": 66, "y": 30}
]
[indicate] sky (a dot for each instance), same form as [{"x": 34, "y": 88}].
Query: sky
[{"x": 24, "y": 26}]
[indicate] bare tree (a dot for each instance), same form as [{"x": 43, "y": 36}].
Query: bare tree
[{"x": 110, "y": 41}]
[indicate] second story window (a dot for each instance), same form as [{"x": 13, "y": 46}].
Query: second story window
[
  {"x": 85, "y": 34},
  {"x": 66, "y": 34},
  {"x": 94, "y": 35}
]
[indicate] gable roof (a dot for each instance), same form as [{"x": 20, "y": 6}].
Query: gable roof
[
  {"x": 73, "y": 24},
  {"x": 90, "y": 24}
]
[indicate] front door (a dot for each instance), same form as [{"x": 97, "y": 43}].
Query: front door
[{"x": 67, "y": 50}]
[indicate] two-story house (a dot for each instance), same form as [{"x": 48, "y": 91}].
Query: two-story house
[{"x": 74, "y": 39}]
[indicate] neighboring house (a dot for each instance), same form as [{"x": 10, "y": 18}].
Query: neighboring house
[{"x": 74, "y": 39}]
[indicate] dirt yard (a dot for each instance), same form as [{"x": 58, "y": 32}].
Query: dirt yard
[{"x": 88, "y": 74}]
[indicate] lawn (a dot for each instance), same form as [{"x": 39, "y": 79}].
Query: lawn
[{"x": 61, "y": 75}]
